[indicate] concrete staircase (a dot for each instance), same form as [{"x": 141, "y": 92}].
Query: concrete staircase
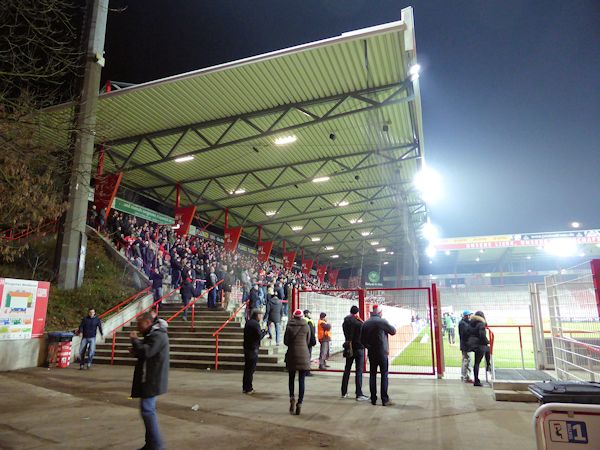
[
  {"x": 196, "y": 349},
  {"x": 513, "y": 391}
]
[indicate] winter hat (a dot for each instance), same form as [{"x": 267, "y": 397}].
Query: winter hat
[
  {"x": 466, "y": 312},
  {"x": 322, "y": 315},
  {"x": 376, "y": 310},
  {"x": 354, "y": 310},
  {"x": 298, "y": 314},
  {"x": 306, "y": 312}
]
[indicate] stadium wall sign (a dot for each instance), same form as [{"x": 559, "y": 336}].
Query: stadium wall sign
[
  {"x": 23, "y": 305},
  {"x": 518, "y": 240}
]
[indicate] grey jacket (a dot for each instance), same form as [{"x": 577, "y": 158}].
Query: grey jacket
[
  {"x": 297, "y": 338},
  {"x": 151, "y": 374},
  {"x": 375, "y": 333}
]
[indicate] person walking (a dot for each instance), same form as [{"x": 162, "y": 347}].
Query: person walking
[
  {"x": 157, "y": 285},
  {"x": 354, "y": 352},
  {"x": 463, "y": 327},
  {"x": 324, "y": 333},
  {"x": 151, "y": 375},
  {"x": 313, "y": 338},
  {"x": 274, "y": 314},
  {"x": 450, "y": 326},
  {"x": 478, "y": 343},
  {"x": 88, "y": 329},
  {"x": 252, "y": 337},
  {"x": 374, "y": 337},
  {"x": 297, "y": 359}
]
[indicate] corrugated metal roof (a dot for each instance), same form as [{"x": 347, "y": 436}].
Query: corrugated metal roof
[{"x": 352, "y": 76}]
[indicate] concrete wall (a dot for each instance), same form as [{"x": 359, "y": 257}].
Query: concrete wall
[{"x": 22, "y": 353}]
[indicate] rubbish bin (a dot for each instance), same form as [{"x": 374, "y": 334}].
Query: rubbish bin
[
  {"x": 59, "y": 349},
  {"x": 567, "y": 392}
]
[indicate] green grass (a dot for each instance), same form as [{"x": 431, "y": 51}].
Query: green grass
[
  {"x": 507, "y": 352},
  {"x": 103, "y": 287}
]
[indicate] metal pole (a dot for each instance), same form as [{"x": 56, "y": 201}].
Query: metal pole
[
  {"x": 521, "y": 345},
  {"x": 74, "y": 240}
]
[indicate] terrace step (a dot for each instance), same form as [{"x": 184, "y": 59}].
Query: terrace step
[
  {"x": 191, "y": 364},
  {"x": 193, "y": 356},
  {"x": 506, "y": 395}
]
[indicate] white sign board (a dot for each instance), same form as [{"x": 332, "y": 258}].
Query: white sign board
[{"x": 567, "y": 426}]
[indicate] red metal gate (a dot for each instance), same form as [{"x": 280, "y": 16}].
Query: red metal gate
[{"x": 409, "y": 310}]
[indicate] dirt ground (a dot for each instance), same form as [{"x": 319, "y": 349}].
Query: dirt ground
[{"x": 74, "y": 409}]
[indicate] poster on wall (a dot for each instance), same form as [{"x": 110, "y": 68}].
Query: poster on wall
[{"x": 23, "y": 305}]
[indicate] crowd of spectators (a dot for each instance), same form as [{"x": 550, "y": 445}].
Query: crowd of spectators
[{"x": 194, "y": 263}]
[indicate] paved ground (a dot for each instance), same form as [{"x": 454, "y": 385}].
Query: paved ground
[{"x": 69, "y": 409}]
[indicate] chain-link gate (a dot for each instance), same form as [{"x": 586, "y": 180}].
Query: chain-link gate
[{"x": 409, "y": 310}]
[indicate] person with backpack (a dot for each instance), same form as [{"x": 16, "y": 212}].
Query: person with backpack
[{"x": 354, "y": 352}]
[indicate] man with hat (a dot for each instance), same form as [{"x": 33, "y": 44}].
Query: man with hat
[
  {"x": 374, "y": 337},
  {"x": 354, "y": 352},
  {"x": 463, "y": 335}
]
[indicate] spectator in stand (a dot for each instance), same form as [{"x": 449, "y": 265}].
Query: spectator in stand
[
  {"x": 92, "y": 218},
  {"x": 374, "y": 337},
  {"x": 212, "y": 283},
  {"x": 450, "y": 325},
  {"x": 463, "y": 329},
  {"x": 252, "y": 337},
  {"x": 187, "y": 293},
  {"x": 478, "y": 343},
  {"x": 274, "y": 312},
  {"x": 157, "y": 320},
  {"x": 254, "y": 298},
  {"x": 354, "y": 352},
  {"x": 313, "y": 338},
  {"x": 324, "y": 333},
  {"x": 151, "y": 374},
  {"x": 297, "y": 359},
  {"x": 88, "y": 328},
  {"x": 226, "y": 285},
  {"x": 157, "y": 285}
]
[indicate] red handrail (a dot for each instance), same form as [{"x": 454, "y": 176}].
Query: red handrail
[
  {"x": 124, "y": 302},
  {"x": 14, "y": 235},
  {"x": 227, "y": 322},
  {"x": 114, "y": 330},
  {"x": 192, "y": 304}
]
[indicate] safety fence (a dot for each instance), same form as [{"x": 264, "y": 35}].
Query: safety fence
[
  {"x": 409, "y": 310},
  {"x": 574, "y": 305}
]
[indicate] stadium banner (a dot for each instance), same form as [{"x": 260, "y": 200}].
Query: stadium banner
[
  {"x": 519, "y": 240},
  {"x": 106, "y": 190},
  {"x": 332, "y": 276},
  {"x": 231, "y": 239},
  {"x": 307, "y": 265},
  {"x": 264, "y": 250},
  {"x": 183, "y": 218},
  {"x": 23, "y": 305},
  {"x": 321, "y": 271},
  {"x": 288, "y": 260},
  {"x": 128, "y": 207}
]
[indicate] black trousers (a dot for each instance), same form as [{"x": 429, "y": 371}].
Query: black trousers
[
  {"x": 479, "y": 354},
  {"x": 359, "y": 360},
  {"x": 250, "y": 360},
  {"x": 378, "y": 359}
]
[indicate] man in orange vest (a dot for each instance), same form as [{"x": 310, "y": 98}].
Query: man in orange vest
[{"x": 324, "y": 330}]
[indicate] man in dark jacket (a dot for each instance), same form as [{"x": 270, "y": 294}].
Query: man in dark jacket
[
  {"x": 151, "y": 374},
  {"x": 274, "y": 313},
  {"x": 252, "y": 337},
  {"x": 157, "y": 284},
  {"x": 354, "y": 352},
  {"x": 187, "y": 292},
  {"x": 463, "y": 336},
  {"x": 374, "y": 337},
  {"x": 313, "y": 338},
  {"x": 88, "y": 328},
  {"x": 478, "y": 342}
]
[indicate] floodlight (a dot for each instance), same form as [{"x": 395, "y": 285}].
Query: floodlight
[
  {"x": 296, "y": 227},
  {"x": 270, "y": 213},
  {"x": 375, "y": 243},
  {"x": 343, "y": 203},
  {"x": 184, "y": 159},
  {"x": 575, "y": 224},
  {"x": 283, "y": 140},
  {"x": 430, "y": 232},
  {"x": 429, "y": 183},
  {"x": 315, "y": 239},
  {"x": 329, "y": 247},
  {"x": 562, "y": 247},
  {"x": 320, "y": 179},
  {"x": 335, "y": 256},
  {"x": 430, "y": 251},
  {"x": 365, "y": 233},
  {"x": 380, "y": 249}
]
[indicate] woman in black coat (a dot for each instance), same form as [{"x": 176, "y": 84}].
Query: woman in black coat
[
  {"x": 297, "y": 358},
  {"x": 478, "y": 343}
]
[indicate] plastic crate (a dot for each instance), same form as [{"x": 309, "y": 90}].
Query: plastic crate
[{"x": 567, "y": 392}]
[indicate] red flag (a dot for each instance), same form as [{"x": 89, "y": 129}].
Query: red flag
[
  {"x": 288, "y": 260},
  {"x": 307, "y": 265},
  {"x": 332, "y": 276},
  {"x": 321, "y": 270},
  {"x": 232, "y": 237},
  {"x": 105, "y": 190},
  {"x": 264, "y": 251},
  {"x": 183, "y": 218}
]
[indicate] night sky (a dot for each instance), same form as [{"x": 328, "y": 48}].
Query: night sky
[{"x": 510, "y": 91}]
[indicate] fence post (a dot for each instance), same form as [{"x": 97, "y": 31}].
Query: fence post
[
  {"x": 437, "y": 326},
  {"x": 596, "y": 277},
  {"x": 362, "y": 311}
]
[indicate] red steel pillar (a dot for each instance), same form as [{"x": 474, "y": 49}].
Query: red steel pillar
[
  {"x": 596, "y": 277},
  {"x": 436, "y": 317}
]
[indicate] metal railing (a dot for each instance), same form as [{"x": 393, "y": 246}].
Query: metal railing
[
  {"x": 227, "y": 322},
  {"x": 192, "y": 304},
  {"x": 13, "y": 234},
  {"x": 124, "y": 302},
  {"x": 148, "y": 308}
]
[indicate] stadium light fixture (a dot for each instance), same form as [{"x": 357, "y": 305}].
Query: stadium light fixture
[
  {"x": 575, "y": 225},
  {"x": 447, "y": 253},
  {"x": 430, "y": 251},
  {"x": 429, "y": 183},
  {"x": 315, "y": 239},
  {"x": 374, "y": 243},
  {"x": 184, "y": 159},
  {"x": 430, "y": 262},
  {"x": 430, "y": 232},
  {"x": 284, "y": 140},
  {"x": 582, "y": 254},
  {"x": 238, "y": 191},
  {"x": 380, "y": 249},
  {"x": 477, "y": 259},
  {"x": 414, "y": 72},
  {"x": 365, "y": 233},
  {"x": 528, "y": 256},
  {"x": 335, "y": 256},
  {"x": 270, "y": 213},
  {"x": 562, "y": 247},
  {"x": 296, "y": 227},
  {"x": 329, "y": 247},
  {"x": 390, "y": 253},
  {"x": 487, "y": 274},
  {"x": 343, "y": 203},
  {"x": 385, "y": 263},
  {"x": 353, "y": 221},
  {"x": 482, "y": 251},
  {"x": 320, "y": 179}
]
